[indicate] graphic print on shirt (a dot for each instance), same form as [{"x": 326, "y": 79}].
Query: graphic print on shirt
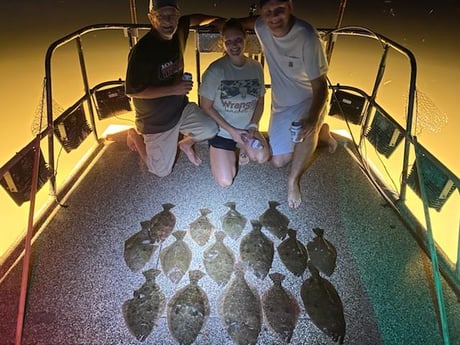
[
  {"x": 170, "y": 68},
  {"x": 239, "y": 96}
]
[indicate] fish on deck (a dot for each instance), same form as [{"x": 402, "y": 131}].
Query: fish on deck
[
  {"x": 241, "y": 310},
  {"x": 145, "y": 308},
  {"x": 233, "y": 222},
  {"x": 257, "y": 250},
  {"x": 201, "y": 228},
  {"x": 162, "y": 224},
  {"x": 293, "y": 254},
  {"x": 323, "y": 305},
  {"x": 175, "y": 259},
  {"x": 322, "y": 253},
  {"x": 188, "y": 310},
  {"x": 138, "y": 249},
  {"x": 280, "y": 308},
  {"x": 219, "y": 260},
  {"x": 275, "y": 221}
]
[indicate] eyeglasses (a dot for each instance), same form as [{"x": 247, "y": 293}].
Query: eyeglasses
[{"x": 167, "y": 17}]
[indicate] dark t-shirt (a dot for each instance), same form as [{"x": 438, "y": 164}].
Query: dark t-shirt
[{"x": 157, "y": 62}]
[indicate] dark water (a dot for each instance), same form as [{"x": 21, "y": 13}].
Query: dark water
[{"x": 427, "y": 27}]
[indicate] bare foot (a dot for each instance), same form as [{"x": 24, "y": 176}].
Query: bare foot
[
  {"x": 186, "y": 146},
  {"x": 243, "y": 158},
  {"x": 294, "y": 195},
  {"x": 326, "y": 138},
  {"x": 332, "y": 144},
  {"x": 132, "y": 140}
]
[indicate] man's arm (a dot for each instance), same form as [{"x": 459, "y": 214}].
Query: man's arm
[{"x": 320, "y": 92}]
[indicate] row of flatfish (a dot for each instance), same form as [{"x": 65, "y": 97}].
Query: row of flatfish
[{"x": 240, "y": 307}]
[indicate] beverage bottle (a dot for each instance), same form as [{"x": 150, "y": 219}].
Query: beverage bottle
[
  {"x": 187, "y": 76},
  {"x": 296, "y": 132},
  {"x": 252, "y": 142}
]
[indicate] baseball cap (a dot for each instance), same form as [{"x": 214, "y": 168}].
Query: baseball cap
[
  {"x": 263, "y": 2},
  {"x": 157, "y": 4}
]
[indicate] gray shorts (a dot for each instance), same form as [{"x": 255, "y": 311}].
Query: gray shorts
[
  {"x": 162, "y": 147},
  {"x": 280, "y": 123}
]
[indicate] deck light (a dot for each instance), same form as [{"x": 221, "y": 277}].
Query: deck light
[
  {"x": 112, "y": 102},
  {"x": 71, "y": 128},
  {"x": 347, "y": 106},
  {"x": 384, "y": 133},
  {"x": 438, "y": 185},
  {"x": 17, "y": 179}
]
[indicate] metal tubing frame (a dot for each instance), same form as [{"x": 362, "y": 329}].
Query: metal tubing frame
[{"x": 50, "y": 130}]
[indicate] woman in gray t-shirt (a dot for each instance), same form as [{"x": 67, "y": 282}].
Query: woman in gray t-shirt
[{"x": 232, "y": 93}]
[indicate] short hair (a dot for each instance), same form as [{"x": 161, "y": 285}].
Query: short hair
[
  {"x": 263, "y": 2},
  {"x": 233, "y": 23}
]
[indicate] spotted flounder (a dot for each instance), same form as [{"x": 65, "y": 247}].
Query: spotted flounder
[
  {"x": 322, "y": 253},
  {"x": 175, "y": 259},
  {"x": 293, "y": 254},
  {"x": 145, "y": 308},
  {"x": 162, "y": 224},
  {"x": 201, "y": 228},
  {"x": 257, "y": 250},
  {"x": 188, "y": 310},
  {"x": 138, "y": 249},
  {"x": 240, "y": 310},
  {"x": 219, "y": 260},
  {"x": 280, "y": 308},
  {"x": 274, "y": 220},
  {"x": 233, "y": 222},
  {"x": 323, "y": 305}
]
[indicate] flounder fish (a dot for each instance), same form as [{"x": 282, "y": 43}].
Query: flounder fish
[
  {"x": 280, "y": 308},
  {"x": 188, "y": 310},
  {"x": 175, "y": 259},
  {"x": 323, "y": 305},
  {"x": 143, "y": 311},
  {"x": 274, "y": 220},
  {"x": 293, "y": 254},
  {"x": 257, "y": 250},
  {"x": 240, "y": 310},
  {"x": 322, "y": 253},
  {"x": 218, "y": 260},
  {"x": 138, "y": 249},
  {"x": 162, "y": 224},
  {"x": 201, "y": 228},
  {"x": 233, "y": 222}
]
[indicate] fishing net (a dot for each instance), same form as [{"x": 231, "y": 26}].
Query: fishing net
[
  {"x": 40, "y": 116},
  {"x": 428, "y": 115}
]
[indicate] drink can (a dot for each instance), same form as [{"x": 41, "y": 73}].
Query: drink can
[
  {"x": 256, "y": 144},
  {"x": 296, "y": 132},
  {"x": 187, "y": 76},
  {"x": 253, "y": 142}
]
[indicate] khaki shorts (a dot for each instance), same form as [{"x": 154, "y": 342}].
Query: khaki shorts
[{"x": 162, "y": 147}]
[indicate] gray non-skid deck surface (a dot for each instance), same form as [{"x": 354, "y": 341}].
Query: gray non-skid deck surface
[{"x": 79, "y": 279}]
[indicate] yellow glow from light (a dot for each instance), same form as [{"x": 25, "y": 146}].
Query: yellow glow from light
[
  {"x": 113, "y": 129},
  {"x": 14, "y": 218}
]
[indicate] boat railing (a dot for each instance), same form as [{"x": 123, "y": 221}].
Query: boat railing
[{"x": 367, "y": 120}]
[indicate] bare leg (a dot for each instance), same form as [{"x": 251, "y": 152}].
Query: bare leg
[
  {"x": 301, "y": 159},
  {"x": 325, "y": 138},
  {"x": 280, "y": 161},
  {"x": 135, "y": 142},
  {"x": 186, "y": 146},
  {"x": 223, "y": 166}
]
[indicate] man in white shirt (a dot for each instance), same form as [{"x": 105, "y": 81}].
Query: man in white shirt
[{"x": 298, "y": 68}]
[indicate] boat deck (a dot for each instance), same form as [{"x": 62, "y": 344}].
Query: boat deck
[{"x": 79, "y": 279}]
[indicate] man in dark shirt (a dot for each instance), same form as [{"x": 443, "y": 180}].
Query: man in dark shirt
[{"x": 154, "y": 81}]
